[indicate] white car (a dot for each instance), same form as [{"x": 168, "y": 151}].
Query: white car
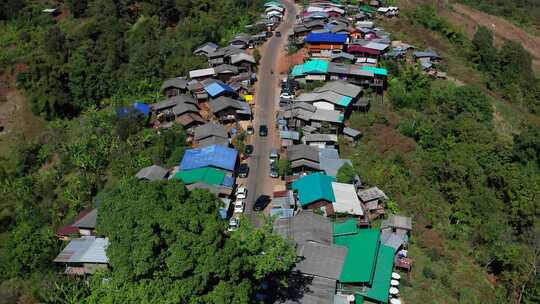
[
  {"x": 239, "y": 206},
  {"x": 286, "y": 95},
  {"x": 241, "y": 193},
  {"x": 234, "y": 223}
]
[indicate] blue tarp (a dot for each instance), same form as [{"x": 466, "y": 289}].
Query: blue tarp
[
  {"x": 124, "y": 111},
  {"x": 217, "y": 88},
  {"x": 142, "y": 107},
  {"x": 228, "y": 181},
  {"x": 325, "y": 38},
  {"x": 217, "y": 156}
]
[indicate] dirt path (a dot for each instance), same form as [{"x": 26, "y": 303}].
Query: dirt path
[{"x": 16, "y": 119}]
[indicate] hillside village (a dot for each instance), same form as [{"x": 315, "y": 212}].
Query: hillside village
[{"x": 351, "y": 248}]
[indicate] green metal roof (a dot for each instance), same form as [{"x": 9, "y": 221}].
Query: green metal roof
[
  {"x": 315, "y": 66},
  {"x": 347, "y": 227},
  {"x": 345, "y": 101},
  {"x": 358, "y": 298},
  {"x": 360, "y": 262},
  {"x": 376, "y": 71},
  {"x": 273, "y": 3},
  {"x": 314, "y": 187},
  {"x": 383, "y": 275},
  {"x": 208, "y": 175}
]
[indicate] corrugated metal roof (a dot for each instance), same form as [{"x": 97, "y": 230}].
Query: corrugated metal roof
[
  {"x": 211, "y": 176},
  {"x": 314, "y": 187},
  {"x": 215, "y": 156},
  {"x": 87, "y": 221},
  {"x": 383, "y": 275},
  {"x": 376, "y": 71},
  {"x": 152, "y": 173},
  {"x": 346, "y": 199},
  {"x": 201, "y": 73},
  {"x": 321, "y": 260},
  {"x": 363, "y": 246},
  {"x": 87, "y": 249},
  {"x": 326, "y": 38}
]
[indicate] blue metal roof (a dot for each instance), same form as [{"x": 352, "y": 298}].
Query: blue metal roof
[
  {"x": 217, "y": 156},
  {"x": 217, "y": 88},
  {"x": 325, "y": 38},
  {"x": 142, "y": 107}
]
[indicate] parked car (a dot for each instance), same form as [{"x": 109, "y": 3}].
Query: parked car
[
  {"x": 269, "y": 34},
  {"x": 250, "y": 130},
  {"x": 234, "y": 223},
  {"x": 241, "y": 193},
  {"x": 261, "y": 203},
  {"x": 239, "y": 206},
  {"x": 263, "y": 130},
  {"x": 249, "y": 149},
  {"x": 286, "y": 95},
  {"x": 274, "y": 155},
  {"x": 243, "y": 170},
  {"x": 274, "y": 170},
  {"x": 278, "y": 34}
]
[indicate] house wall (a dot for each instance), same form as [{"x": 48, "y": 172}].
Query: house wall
[
  {"x": 317, "y": 47},
  {"x": 319, "y": 204},
  {"x": 83, "y": 231}
]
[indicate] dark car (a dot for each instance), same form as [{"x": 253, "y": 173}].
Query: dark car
[
  {"x": 261, "y": 203},
  {"x": 278, "y": 34},
  {"x": 249, "y": 149},
  {"x": 269, "y": 34},
  {"x": 243, "y": 170},
  {"x": 263, "y": 130}
]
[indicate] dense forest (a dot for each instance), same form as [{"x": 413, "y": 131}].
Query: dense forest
[{"x": 75, "y": 69}]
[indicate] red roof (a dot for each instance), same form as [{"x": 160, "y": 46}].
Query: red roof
[
  {"x": 355, "y": 48},
  {"x": 68, "y": 228},
  {"x": 283, "y": 193}
]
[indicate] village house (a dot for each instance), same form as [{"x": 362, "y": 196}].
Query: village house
[
  {"x": 324, "y": 44},
  {"x": 330, "y": 162},
  {"x": 206, "y": 49},
  {"x": 228, "y": 109},
  {"x": 352, "y": 135},
  {"x": 224, "y": 72},
  {"x": 243, "y": 61},
  {"x": 174, "y": 86},
  {"x": 84, "y": 255},
  {"x": 202, "y": 74},
  {"x": 222, "y": 55},
  {"x": 152, "y": 173},
  {"x": 210, "y": 134},
  {"x": 215, "y": 156},
  {"x": 320, "y": 140},
  {"x": 241, "y": 41},
  {"x": 87, "y": 224},
  {"x": 66, "y": 232},
  {"x": 374, "y": 200},
  {"x": 217, "y": 181},
  {"x": 289, "y": 138},
  {"x": 327, "y": 100},
  {"x": 314, "y": 69},
  {"x": 303, "y": 158}
]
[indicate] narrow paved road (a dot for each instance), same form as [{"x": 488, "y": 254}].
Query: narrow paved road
[{"x": 266, "y": 94}]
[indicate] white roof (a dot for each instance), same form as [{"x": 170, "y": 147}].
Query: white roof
[
  {"x": 201, "y": 73},
  {"x": 346, "y": 199},
  {"x": 376, "y": 46},
  {"x": 87, "y": 249}
]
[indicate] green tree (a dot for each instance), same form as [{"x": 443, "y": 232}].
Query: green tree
[
  {"x": 284, "y": 167},
  {"x": 527, "y": 145},
  {"x": 346, "y": 174},
  {"x": 166, "y": 242}
]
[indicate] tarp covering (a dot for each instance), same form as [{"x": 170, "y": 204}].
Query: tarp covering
[
  {"x": 142, "y": 107},
  {"x": 216, "y": 88},
  {"x": 217, "y": 156},
  {"x": 208, "y": 175}
]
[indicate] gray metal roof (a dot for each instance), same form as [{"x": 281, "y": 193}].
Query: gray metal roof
[
  {"x": 226, "y": 69},
  {"x": 212, "y": 188},
  {"x": 87, "y": 221},
  {"x": 332, "y": 166},
  {"x": 236, "y": 58},
  {"x": 206, "y": 48},
  {"x": 321, "y": 260},
  {"x": 152, "y": 173},
  {"x": 305, "y": 163},
  {"x": 341, "y": 87},
  {"x": 320, "y": 138},
  {"x": 297, "y": 152},
  {"x": 221, "y": 103},
  {"x": 202, "y": 73},
  {"x": 373, "y": 193},
  {"x": 178, "y": 82},
  {"x": 214, "y": 140},
  {"x": 393, "y": 240},
  {"x": 210, "y": 129},
  {"x": 306, "y": 226},
  {"x": 87, "y": 249},
  {"x": 289, "y": 135},
  {"x": 329, "y": 96},
  {"x": 342, "y": 55},
  {"x": 311, "y": 290},
  {"x": 183, "y": 98},
  {"x": 182, "y": 108},
  {"x": 164, "y": 104},
  {"x": 397, "y": 221},
  {"x": 327, "y": 115},
  {"x": 351, "y": 132}
]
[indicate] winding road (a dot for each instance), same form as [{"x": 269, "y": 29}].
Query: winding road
[{"x": 266, "y": 96}]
